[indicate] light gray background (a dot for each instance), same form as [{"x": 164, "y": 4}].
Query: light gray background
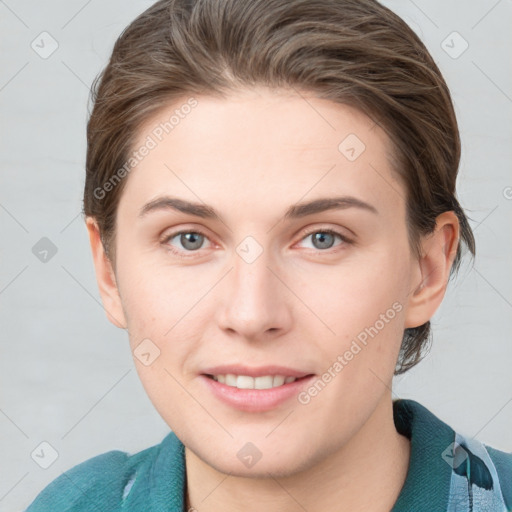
[{"x": 67, "y": 376}]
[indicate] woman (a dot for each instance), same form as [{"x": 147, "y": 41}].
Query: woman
[{"x": 270, "y": 200}]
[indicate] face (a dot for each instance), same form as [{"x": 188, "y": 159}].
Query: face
[{"x": 266, "y": 286}]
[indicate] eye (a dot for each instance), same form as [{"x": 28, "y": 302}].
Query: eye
[
  {"x": 191, "y": 241},
  {"x": 323, "y": 239}
]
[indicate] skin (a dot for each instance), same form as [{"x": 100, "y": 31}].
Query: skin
[{"x": 299, "y": 304}]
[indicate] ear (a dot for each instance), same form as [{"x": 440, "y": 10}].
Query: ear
[
  {"x": 105, "y": 277},
  {"x": 433, "y": 270}
]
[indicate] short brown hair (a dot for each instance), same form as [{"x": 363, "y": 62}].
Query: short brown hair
[{"x": 354, "y": 52}]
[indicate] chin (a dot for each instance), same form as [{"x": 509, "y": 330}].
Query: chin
[
  {"x": 249, "y": 462},
  {"x": 261, "y": 470}
]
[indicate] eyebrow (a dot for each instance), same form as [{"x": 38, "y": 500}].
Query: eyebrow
[{"x": 294, "y": 212}]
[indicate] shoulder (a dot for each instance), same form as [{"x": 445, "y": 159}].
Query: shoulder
[
  {"x": 481, "y": 473},
  {"x": 99, "y": 483},
  {"x": 502, "y": 462},
  {"x": 449, "y": 470}
]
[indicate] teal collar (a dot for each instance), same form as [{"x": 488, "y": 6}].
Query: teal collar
[
  {"x": 425, "y": 489},
  {"x": 427, "y": 484}
]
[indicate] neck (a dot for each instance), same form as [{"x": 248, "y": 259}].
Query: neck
[{"x": 366, "y": 474}]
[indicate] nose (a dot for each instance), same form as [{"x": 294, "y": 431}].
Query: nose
[{"x": 254, "y": 303}]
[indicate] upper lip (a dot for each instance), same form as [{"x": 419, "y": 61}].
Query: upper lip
[{"x": 258, "y": 371}]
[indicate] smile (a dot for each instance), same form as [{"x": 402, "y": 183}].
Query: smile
[
  {"x": 257, "y": 393},
  {"x": 248, "y": 382}
]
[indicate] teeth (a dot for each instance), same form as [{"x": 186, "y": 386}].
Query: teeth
[
  {"x": 231, "y": 380},
  {"x": 278, "y": 380},
  {"x": 247, "y": 382}
]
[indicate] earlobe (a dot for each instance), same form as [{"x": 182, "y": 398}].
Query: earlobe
[
  {"x": 105, "y": 277},
  {"x": 433, "y": 270}
]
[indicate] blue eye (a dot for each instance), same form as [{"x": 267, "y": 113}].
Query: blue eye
[
  {"x": 192, "y": 241},
  {"x": 324, "y": 238}
]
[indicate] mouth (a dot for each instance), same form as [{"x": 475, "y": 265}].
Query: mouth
[
  {"x": 248, "y": 382},
  {"x": 255, "y": 389}
]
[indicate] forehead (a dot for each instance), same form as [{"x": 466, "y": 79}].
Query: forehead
[{"x": 261, "y": 145}]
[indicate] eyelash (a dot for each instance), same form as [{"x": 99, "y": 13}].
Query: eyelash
[{"x": 180, "y": 254}]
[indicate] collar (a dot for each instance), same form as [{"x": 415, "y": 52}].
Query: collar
[
  {"x": 425, "y": 489},
  {"x": 427, "y": 484}
]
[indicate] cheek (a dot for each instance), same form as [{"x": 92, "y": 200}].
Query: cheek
[
  {"x": 363, "y": 306},
  {"x": 167, "y": 307},
  {"x": 355, "y": 294},
  {"x": 156, "y": 297}
]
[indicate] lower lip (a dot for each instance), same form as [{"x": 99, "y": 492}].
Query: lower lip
[{"x": 255, "y": 400}]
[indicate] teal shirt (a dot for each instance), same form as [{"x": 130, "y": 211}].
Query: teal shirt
[{"x": 447, "y": 473}]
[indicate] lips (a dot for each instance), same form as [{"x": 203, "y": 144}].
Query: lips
[{"x": 249, "y": 389}]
